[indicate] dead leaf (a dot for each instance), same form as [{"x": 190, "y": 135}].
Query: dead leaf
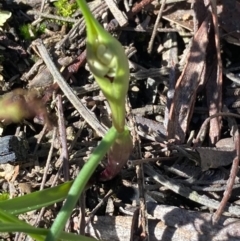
[
  {"x": 215, "y": 157},
  {"x": 187, "y": 85},
  {"x": 4, "y": 16}
]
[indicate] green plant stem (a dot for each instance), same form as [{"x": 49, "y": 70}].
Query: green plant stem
[
  {"x": 108, "y": 63},
  {"x": 89, "y": 18},
  {"x": 80, "y": 183}
]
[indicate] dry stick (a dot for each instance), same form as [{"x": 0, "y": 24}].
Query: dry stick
[
  {"x": 218, "y": 92},
  {"x": 66, "y": 89},
  {"x": 62, "y": 132},
  {"x": 202, "y": 132},
  {"x": 65, "y": 162},
  {"x": 82, "y": 217},
  {"x": 48, "y": 159},
  {"x": 39, "y": 139},
  {"x": 20, "y": 236},
  {"x": 219, "y": 189},
  {"x": 118, "y": 15},
  {"x": 126, "y": 5},
  {"x": 42, "y": 6},
  {"x": 142, "y": 198},
  {"x": 140, "y": 176},
  {"x": 45, "y": 173},
  {"x": 228, "y": 190},
  {"x": 234, "y": 78},
  {"x": 185, "y": 191},
  {"x": 134, "y": 224},
  {"x": 51, "y": 16},
  {"x": 70, "y": 148},
  {"x": 139, "y": 6},
  {"x": 104, "y": 200},
  {"x": 160, "y": 30},
  {"x": 217, "y": 38},
  {"x": 38, "y": 20},
  {"x": 149, "y": 110},
  {"x": 233, "y": 173},
  {"x": 150, "y": 45},
  {"x": 169, "y": 224},
  {"x": 79, "y": 132},
  {"x": 147, "y": 160}
]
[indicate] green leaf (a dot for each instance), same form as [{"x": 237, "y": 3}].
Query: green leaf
[
  {"x": 80, "y": 182},
  {"x": 9, "y": 223},
  {"x": 36, "y": 200},
  {"x": 8, "y": 219}
]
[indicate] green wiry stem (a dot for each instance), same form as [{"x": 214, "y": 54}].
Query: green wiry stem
[
  {"x": 80, "y": 183},
  {"x": 109, "y": 65}
]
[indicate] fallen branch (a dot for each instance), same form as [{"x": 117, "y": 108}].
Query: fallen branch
[{"x": 176, "y": 225}]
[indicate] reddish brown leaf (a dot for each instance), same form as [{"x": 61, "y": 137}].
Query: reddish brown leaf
[{"x": 187, "y": 85}]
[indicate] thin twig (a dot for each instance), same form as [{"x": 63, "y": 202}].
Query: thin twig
[
  {"x": 138, "y": 7},
  {"x": 140, "y": 176},
  {"x": 217, "y": 38},
  {"x": 39, "y": 139},
  {"x": 78, "y": 133},
  {"x": 42, "y": 6},
  {"x": 51, "y": 16},
  {"x": 82, "y": 216},
  {"x": 126, "y": 5},
  {"x": 202, "y": 132},
  {"x": 215, "y": 104},
  {"x": 233, "y": 173},
  {"x": 185, "y": 191},
  {"x": 104, "y": 200},
  {"x": 62, "y": 132},
  {"x": 160, "y": 30},
  {"x": 48, "y": 159},
  {"x": 118, "y": 15},
  {"x": 150, "y": 45},
  {"x": 227, "y": 192},
  {"x": 147, "y": 160},
  {"x": 39, "y": 19}
]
